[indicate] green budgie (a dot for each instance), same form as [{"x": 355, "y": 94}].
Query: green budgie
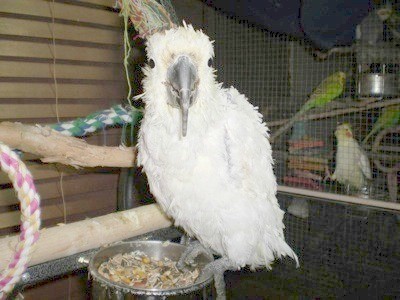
[
  {"x": 390, "y": 117},
  {"x": 328, "y": 90}
]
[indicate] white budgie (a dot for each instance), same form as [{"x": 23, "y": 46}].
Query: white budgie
[
  {"x": 207, "y": 157},
  {"x": 352, "y": 164}
]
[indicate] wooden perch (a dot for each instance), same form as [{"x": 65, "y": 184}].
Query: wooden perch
[
  {"x": 52, "y": 146},
  {"x": 69, "y": 239},
  {"x": 376, "y": 147},
  {"x": 355, "y": 107}
]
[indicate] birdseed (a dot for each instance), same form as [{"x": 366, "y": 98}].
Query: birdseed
[{"x": 137, "y": 270}]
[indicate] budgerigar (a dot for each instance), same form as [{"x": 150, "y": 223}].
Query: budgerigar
[
  {"x": 390, "y": 117},
  {"x": 206, "y": 154},
  {"x": 370, "y": 30},
  {"x": 352, "y": 163},
  {"x": 391, "y": 15},
  {"x": 329, "y": 89}
]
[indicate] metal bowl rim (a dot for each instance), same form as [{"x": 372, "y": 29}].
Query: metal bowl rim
[{"x": 142, "y": 291}]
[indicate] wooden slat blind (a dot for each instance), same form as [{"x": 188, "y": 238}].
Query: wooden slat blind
[
  {"x": 40, "y": 8},
  {"x": 42, "y": 30},
  {"x": 109, "y": 3},
  {"x": 17, "y": 89},
  {"x": 44, "y": 70},
  {"x": 38, "y": 111},
  {"x": 74, "y": 187},
  {"x": 38, "y": 171},
  {"x": 17, "y": 50},
  {"x": 89, "y": 75}
]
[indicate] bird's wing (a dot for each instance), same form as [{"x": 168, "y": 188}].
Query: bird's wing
[
  {"x": 249, "y": 160},
  {"x": 248, "y": 152},
  {"x": 364, "y": 164},
  {"x": 329, "y": 89}
]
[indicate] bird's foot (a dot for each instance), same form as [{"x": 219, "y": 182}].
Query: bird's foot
[
  {"x": 217, "y": 269},
  {"x": 328, "y": 174},
  {"x": 186, "y": 240},
  {"x": 193, "y": 250},
  {"x": 348, "y": 189}
]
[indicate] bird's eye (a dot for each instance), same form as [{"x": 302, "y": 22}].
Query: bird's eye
[
  {"x": 210, "y": 62},
  {"x": 151, "y": 63}
]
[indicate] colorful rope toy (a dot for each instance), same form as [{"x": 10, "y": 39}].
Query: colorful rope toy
[
  {"x": 29, "y": 199},
  {"x": 116, "y": 115}
]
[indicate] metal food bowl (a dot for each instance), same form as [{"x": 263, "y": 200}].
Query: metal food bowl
[
  {"x": 378, "y": 80},
  {"x": 378, "y": 85},
  {"x": 103, "y": 288}
]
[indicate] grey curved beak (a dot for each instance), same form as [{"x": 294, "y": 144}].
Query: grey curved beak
[
  {"x": 184, "y": 103},
  {"x": 182, "y": 79}
]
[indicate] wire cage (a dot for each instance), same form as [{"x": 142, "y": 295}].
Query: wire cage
[
  {"x": 279, "y": 74},
  {"x": 339, "y": 223},
  {"x": 346, "y": 249}
]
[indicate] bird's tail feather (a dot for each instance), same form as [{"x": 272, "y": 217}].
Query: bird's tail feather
[
  {"x": 287, "y": 251},
  {"x": 273, "y": 248}
]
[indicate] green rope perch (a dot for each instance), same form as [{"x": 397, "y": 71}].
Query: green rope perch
[{"x": 114, "y": 116}]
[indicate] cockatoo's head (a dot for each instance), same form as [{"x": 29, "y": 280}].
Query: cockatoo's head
[
  {"x": 179, "y": 69},
  {"x": 344, "y": 131}
]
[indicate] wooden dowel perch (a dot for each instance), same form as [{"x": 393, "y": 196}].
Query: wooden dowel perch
[
  {"x": 69, "y": 239},
  {"x": 376, "y": 147},
  {"x": 52, "y": 146},
  {"x": 354, "y": 108},
  {"x": 338, "y": 197}
]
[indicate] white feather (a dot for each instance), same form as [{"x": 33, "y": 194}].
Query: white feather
[
  {"x": 352, "y": 164},
  {"x": 217, "y": 182},
  {"x": 364, "y": 164}
]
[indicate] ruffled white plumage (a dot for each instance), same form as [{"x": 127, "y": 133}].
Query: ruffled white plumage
[{"x": 217, "y": 182}]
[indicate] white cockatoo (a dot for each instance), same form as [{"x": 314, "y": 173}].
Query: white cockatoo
[
  {"x": 206, "y": 154},
  {"x": 352, "y": 164}
]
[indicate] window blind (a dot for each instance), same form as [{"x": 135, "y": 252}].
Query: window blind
[{"x": 70, "y": 51}]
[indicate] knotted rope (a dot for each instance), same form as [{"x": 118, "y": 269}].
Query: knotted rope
[
  {"x": 29, "y": 199},
  {"x": 116, "y": 115}
]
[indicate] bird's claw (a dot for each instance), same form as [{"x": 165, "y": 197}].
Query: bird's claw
[
  {"x": 328, "y": 175},
  {"x": 219, "y": 282},
  {"x": 217, "y": 269},
  {"x": 191, "y": 253},
  {"x": 183, "y": 264}
]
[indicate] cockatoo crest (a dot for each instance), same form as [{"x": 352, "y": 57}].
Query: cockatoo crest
[{"x": 168, "y": 45}]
